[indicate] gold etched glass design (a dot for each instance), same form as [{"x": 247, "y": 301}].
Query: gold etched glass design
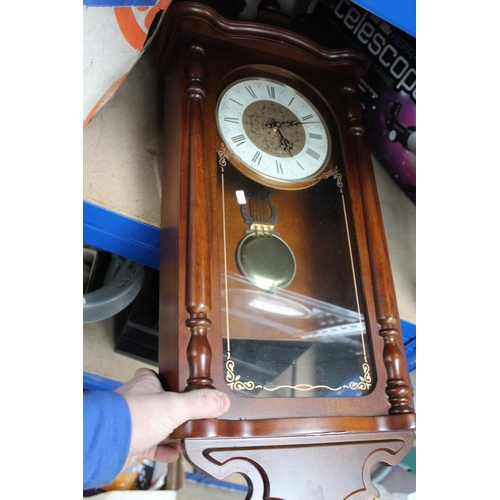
[{"x": 307, "y": 339}]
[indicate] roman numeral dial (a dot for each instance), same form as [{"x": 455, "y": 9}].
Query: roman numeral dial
[{"x": 275, "y": 133}]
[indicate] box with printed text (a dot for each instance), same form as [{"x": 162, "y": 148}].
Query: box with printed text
[{"x": 387, "y": 90}]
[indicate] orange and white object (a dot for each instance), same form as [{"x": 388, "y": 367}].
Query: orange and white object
[{"x": 113, "y": 41}]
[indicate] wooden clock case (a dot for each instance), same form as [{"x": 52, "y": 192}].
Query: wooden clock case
[{"x": 288, "y": 448}]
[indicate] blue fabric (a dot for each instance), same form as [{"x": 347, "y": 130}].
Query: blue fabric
[{"x": 107, "y": 430}]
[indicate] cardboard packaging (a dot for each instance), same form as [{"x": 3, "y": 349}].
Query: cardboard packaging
[
  {"x": 114, "y": 37},
  {"x": 387, "y": 90}
]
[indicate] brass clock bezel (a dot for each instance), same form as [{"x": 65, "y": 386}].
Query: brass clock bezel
[{"x": 307, "y": 92}]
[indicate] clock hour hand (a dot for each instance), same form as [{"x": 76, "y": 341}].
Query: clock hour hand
[{"x": 285, "y": 144}]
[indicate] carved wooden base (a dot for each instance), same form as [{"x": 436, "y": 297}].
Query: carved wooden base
[{"x": 320, "y": 467}]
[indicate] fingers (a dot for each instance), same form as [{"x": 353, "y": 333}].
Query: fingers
[
  {"x": 144, "y": 381},
  {"x": 147, "y": 377},
  {"x": 155, "y": 413},
  {"x": 166, "y": 454},
  {"x": 202, "y": 403},
  {"x": 160, "y": 453},
  {"x": 144, "y": 371}
]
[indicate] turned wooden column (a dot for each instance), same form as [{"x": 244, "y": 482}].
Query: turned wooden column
[
  {"x": 198, "y": 303},
  {"x": 397, "y": 388}
]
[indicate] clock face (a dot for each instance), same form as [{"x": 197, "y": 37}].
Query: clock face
[{"x": 276, "y": 135}]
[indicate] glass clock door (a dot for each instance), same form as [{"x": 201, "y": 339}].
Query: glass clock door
[{"x": 292, "y": 305}]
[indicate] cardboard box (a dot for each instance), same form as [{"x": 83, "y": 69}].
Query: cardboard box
[
  {"x": 387, "y": 90},
  {"x": 114, "y": 37}
]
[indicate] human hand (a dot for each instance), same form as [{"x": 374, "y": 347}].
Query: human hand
[{"x": 156, "y": 413}]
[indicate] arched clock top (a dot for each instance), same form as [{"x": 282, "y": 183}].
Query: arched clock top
[{"x": 271, "y": 39}]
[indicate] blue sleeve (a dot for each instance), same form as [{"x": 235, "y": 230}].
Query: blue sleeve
[{"x": 107, "y": 430}]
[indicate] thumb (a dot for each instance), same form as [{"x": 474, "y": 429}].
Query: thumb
[{"x": 202, "y": 403}]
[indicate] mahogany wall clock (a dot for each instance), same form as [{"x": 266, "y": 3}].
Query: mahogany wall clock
[{"x": 275, "y": 284}]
